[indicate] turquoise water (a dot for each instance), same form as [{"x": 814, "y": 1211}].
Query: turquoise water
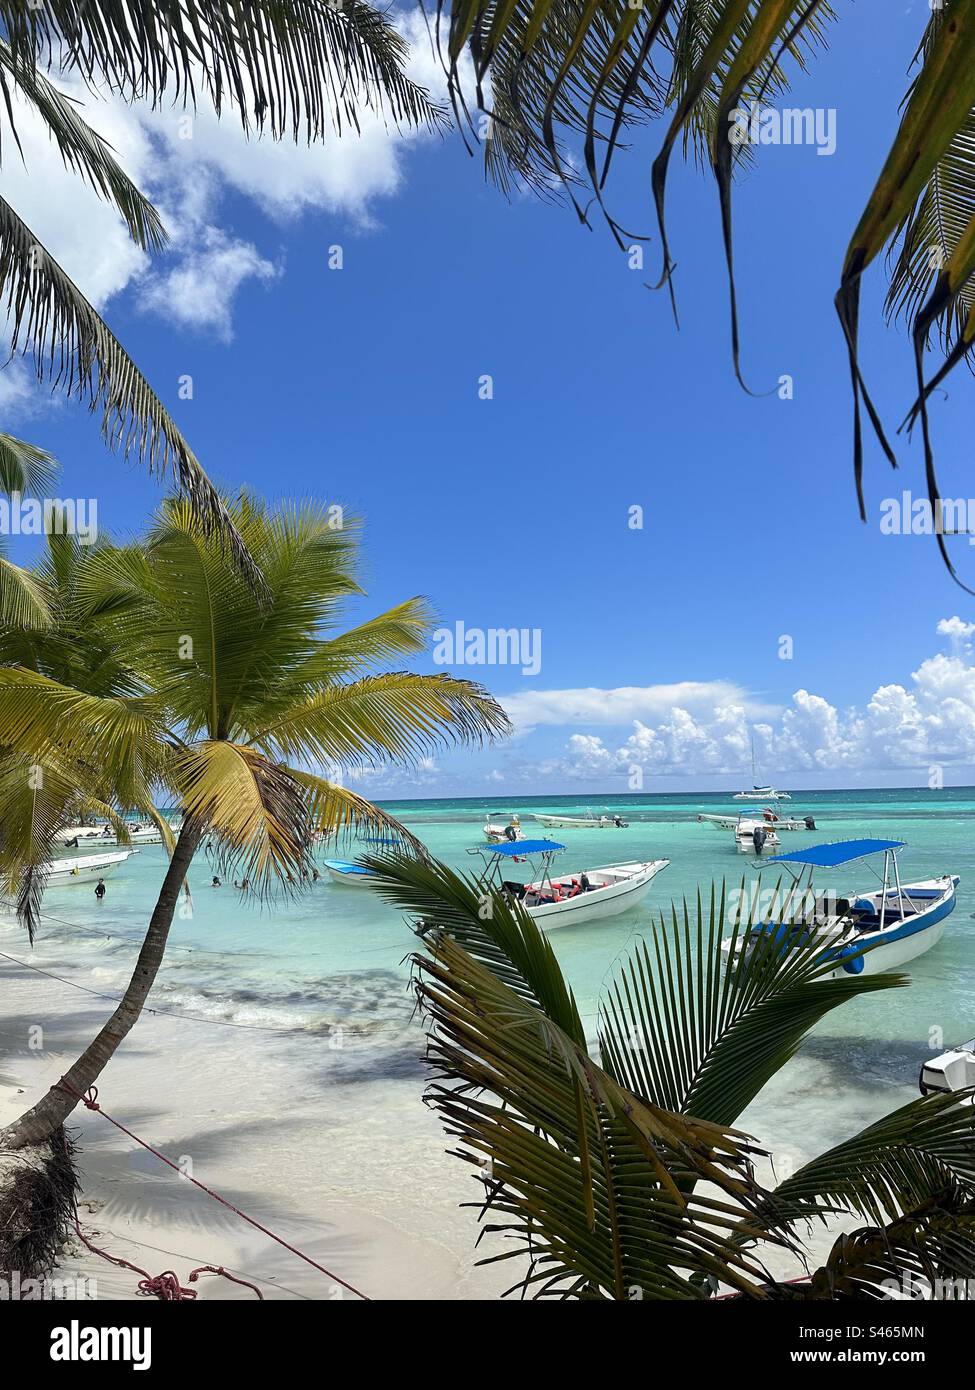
[{"x": 325, "y": 976}]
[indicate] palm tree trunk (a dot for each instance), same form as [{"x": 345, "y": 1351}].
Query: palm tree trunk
[{"x": 39, "y": 1122}]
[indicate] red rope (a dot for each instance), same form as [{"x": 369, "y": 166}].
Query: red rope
[
  {"x": 166, "y": 1285},
  {"x": 90, "y": 1100}
]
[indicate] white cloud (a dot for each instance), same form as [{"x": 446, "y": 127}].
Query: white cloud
[
  {"x": 195, "y": 283},
  {"x": 592, "y": 705},
  {"x": 929, "y": 720}
]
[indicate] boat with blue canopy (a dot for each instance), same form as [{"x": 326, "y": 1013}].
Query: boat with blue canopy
[
  {"x": 557, "y": 900},
  {"x": 868, "y": 931},
  {"x": 351, "y": 875}
]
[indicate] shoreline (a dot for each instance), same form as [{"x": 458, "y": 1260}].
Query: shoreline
[{"x": 248, "y": 1120}]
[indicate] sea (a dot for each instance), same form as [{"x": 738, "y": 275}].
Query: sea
[{"x": 322, "y": 980}]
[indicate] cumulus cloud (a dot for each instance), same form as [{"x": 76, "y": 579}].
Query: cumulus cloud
[
  {"x": 929, "y": 720},
  {"x": 188, "y": 166},
  {"x": 625, "y": 704}
]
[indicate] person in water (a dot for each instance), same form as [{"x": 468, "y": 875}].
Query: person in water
[
  {"x": 100, "y": 889},
  {"x": 216, "y": 882}
]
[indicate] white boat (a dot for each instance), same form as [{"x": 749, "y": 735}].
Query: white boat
[
  {"x": 85, "y": 869},
  {"x": 351, "y": 875},
  {"x": 953, "y": 1070},
  {"x": 558, "y": 900},
  {"x": 871, "y": 931},
  {"x": 755, "y": 836},
  {"x": 81, "y": 836},
  {"x": 769, "y": 817},
  {"x": 590, "y": 821},
  {"x": 495, "y": 832},
  {"x": 757, "y": 793}
]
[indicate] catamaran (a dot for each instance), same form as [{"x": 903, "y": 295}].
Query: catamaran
[
  {"x": 590, "y": 821},
  {"x": 872, "y": 931},
  {"x": 763, "y": 793},
  {"x": 86, "y": 868},
  {"x": 557, "y": 900}
]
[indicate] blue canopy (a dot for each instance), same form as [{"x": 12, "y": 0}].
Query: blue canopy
[
  {"x": 830, "y": 856},
  {"x": 513, "y": 847}
]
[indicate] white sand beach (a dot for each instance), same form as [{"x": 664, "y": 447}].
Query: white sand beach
[{"x": 258, "y": 1121}]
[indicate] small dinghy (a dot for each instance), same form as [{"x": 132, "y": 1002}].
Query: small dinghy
[
  {"x": 351, "y": 875},
  {"x": 557, "y": 900},
  {"x": 86, "y": 868},
  {"x": 954, "y": 1070},
  {"x": 863, "y": 931}
]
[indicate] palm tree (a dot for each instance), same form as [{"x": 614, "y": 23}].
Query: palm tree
[
  {"x": 562, "y": 81},
  {"x": 623, "y": 1178},
  {"x": 300, "y": 70},
  {"x": 24, "y": 468},
  {"x": 228, "y": 701}
]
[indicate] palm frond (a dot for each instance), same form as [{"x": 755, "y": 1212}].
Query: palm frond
[
  {"x": 23, "y": 601},
  {"x": 82, "y": 149},
  {"x": 25, "y": 467},
  {"x": 594, "y": 1188},
  {"x": 335, "y": 812},
  {"x": 253, "y": 809},
  {"x": 75, "y": 350},
  {"x": 892, "y": 1166},
  {"x": 496, "y": 933},
  {"x": 298, "y": 67},
  {"x": 696, "y": 1027}
]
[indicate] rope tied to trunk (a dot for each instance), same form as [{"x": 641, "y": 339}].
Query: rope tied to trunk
[{"x": 166, "y": 1285}]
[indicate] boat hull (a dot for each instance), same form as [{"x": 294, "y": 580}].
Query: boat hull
[
  {"x": 575, "y": 822},
  {"x": 63, "y": 872},
  {"x": 600, "y": 902},
  {"x": 349, "y": 875},
  {"x": 904, "y": 941}
]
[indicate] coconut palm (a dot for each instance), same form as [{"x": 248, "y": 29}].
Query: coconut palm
[
  {"x": 622, "y": 1177},
  {"x": 562, "y": 81},
  {"x": 237, "y": 705},
  {"x": 301, "y": 70}
]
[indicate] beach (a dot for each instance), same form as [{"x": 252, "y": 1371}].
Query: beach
[{"x": 281, "y": 1064}]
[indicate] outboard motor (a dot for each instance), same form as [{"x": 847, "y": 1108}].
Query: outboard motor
[
  {"x": 810, "y": 823},
  {"x": 954, "y": 1070},
  {"x": 619, "y": 822},
  {"x": 510, "y": 833},
  {"x": 759, "y": 836}
]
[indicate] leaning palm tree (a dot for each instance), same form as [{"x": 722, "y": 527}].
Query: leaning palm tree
[
  {"x": 302, "y": 70},
  {"x": 234, "y": 704},
  {"x": 622, "y": 1177},
  {"x": 552, "y": 87}
]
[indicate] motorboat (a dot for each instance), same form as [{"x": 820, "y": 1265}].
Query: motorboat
[
  {"x": 349, "y": 874},
  {"x": 79, "y": 837},
  {"x": 755, "y": 836},
  {"x": 556, "y": 900},
  {"x": 85, "y": 868},
  {"x": 590, "y": 821},
  {"x": 495, "y": 832},
  {"x": 769, "y": 817},
  {"x": 953, "y": 1070},
  {"x": 871, "y": 930}
]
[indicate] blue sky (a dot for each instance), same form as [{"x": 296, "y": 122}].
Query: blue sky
[{"x": 361, "y": 386}]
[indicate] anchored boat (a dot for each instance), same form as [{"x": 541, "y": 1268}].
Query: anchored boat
[
  {"x": 352, "y": 875},
  {"x": 557, "y": 900},
  {"x": 88, "y": 867},
  {"x": 590, "y": 821},
  {"x": 494, "y": 833},
  {"x": 755, "y": 836},
  {"x": 872, "y": 931},
  {"x": 769, "y": 817}
]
